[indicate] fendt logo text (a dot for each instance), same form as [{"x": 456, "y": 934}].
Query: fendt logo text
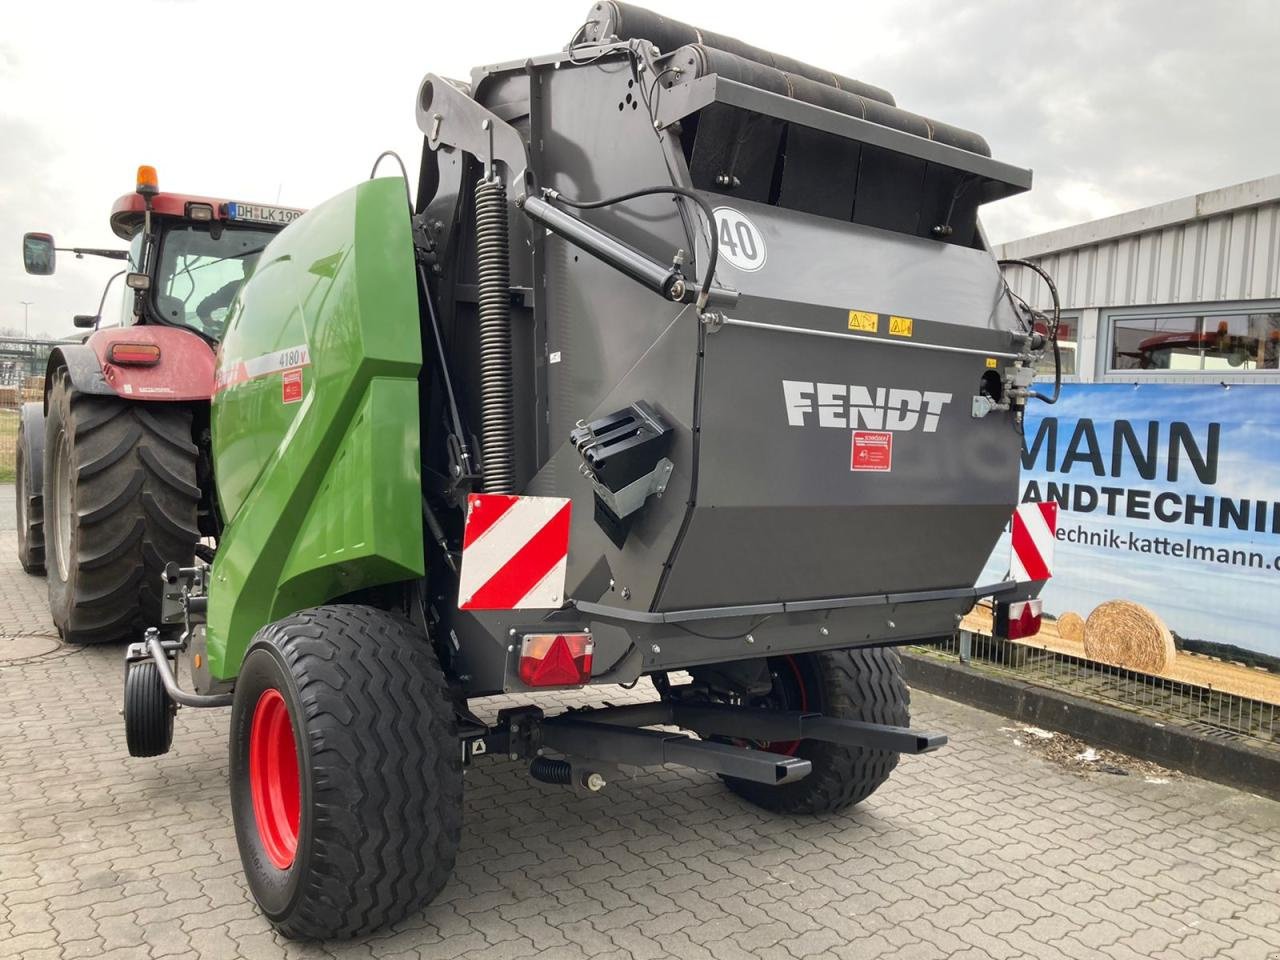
[{"x": 848, "y": 406}]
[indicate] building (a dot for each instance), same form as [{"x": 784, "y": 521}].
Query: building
[{"x": 1186, "y": 291}]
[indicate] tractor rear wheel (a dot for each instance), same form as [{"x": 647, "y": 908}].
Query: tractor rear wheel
[
  {"x": 863, "y": 684},
  {"x": 120, "y": 501},
  {"x": 346, "y": 772},
  {"x": 29, "y": 495}
]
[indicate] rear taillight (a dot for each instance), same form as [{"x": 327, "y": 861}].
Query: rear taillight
[
  {"x": 556, "y": 659},
  {"x": 134, "y": 354},
  {"x": 1018, "y": 620}
]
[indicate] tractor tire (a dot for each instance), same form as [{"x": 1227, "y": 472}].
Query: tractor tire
[
  {"x": 864, "y": 684},
  {"x": 148, "y": 711},
  {"x": 120, "y": 501},
  {"x": 346, "y": 772},
  {"x": 29, "y": 491}
]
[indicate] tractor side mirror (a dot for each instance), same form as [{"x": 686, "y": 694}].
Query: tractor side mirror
[
  {"x": 85, "y": 320},
  {"x": 38, "y": 255}
]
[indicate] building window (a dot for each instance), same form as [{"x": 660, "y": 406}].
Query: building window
[
  {"x": 1068, "y": 341},
  {"x": 1215, "y": 342}
]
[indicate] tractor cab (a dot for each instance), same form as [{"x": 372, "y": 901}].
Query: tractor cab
[
  {"x": 188, "y": 254},
  {"x": 191, "y": 254}
]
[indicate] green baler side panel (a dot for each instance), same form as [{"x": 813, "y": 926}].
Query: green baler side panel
[{"x": 322, "y": 495}]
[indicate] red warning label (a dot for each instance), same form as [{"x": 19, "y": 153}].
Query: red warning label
[
  {"x": 291, "y": 386},
  {"x": 872, "y": 450}
]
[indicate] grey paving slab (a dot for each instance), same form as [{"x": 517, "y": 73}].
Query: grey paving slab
[
  {"x": 979, "y": 850},
  {"x": 8, "y": 507}
]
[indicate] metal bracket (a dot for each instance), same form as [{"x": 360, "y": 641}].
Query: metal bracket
[
  {"x": 632, "y": 497},
  {"x": 982, "y": 405},
  {"x": 162, "y": 652},
  {"x": 518, "y": 733},
  {"x": 449, "y": 117}
]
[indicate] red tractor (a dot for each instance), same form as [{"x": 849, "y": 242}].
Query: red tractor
[{"x": 111, "y": 483}]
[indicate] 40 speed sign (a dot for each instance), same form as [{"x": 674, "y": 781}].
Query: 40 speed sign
[{"x": 741, "y": 244}]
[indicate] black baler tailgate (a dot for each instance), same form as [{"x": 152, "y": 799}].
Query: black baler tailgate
[{"x": 834, "y": 463}]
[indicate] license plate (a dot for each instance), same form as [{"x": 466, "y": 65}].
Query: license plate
[{"x": 259, "y": 213}]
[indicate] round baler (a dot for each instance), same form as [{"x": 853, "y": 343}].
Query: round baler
[{"x": 688, "y": 362}]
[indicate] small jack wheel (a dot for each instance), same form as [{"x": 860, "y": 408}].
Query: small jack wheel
[{"x": 148, "y": 711}]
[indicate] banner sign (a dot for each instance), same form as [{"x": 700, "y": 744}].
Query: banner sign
[{"x": 1169, "y": 496}]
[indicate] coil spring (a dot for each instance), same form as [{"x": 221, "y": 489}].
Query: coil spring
[
  {"x": 497, "y": 428},
  {"x": 551, "y": 771}
]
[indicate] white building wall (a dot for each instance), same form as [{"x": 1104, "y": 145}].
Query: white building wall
[{"x": 1187, "y": 251}]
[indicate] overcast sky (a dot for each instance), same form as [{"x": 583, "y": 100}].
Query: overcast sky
[{"x": 1114, "y": 105}]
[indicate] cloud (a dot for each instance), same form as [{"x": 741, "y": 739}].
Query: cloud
[{"x": 1115, "y": 106}]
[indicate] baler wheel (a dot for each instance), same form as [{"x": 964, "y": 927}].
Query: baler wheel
[
  {"x": 346, "y": 771},
  {"x": 120, "y": 501},
  {"x": 29, "y": 497},
  {"x": 148, "y": 711},
  {"x": 863, "y": 684}
]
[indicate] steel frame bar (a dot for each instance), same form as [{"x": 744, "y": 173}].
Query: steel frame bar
[
  {"x": 755, "y": 724},
  {"x": 576, "y": 735}
]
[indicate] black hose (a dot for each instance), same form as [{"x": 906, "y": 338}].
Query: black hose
[
  {"x": 712, "y": 261},
  {"x": 1053, "y": 330},
  {"x": 497, "y": 427},
  {"x": 442, "y": 360},
  {"x": 403, "y": 173}
]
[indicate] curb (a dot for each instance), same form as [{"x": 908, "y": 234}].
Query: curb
[{"x": 1232, "y": 762}]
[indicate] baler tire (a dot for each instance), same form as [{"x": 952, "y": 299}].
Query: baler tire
[
  {"x": 148, "y": 711},
  {"x": 863, "y": 684},
  {"x": 131, "y": 508},
  {"x": 378, "y": 768},
  {"x": 29, "y": 499}
]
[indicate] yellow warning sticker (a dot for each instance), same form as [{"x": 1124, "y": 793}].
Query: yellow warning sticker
[
  {"x": 900, "y": 326},
  {"x": 991, "y": 363},
  {"x": 866, "y": 322}
]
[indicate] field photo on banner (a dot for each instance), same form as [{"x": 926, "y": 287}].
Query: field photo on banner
[{"x": 1168, "y": 496}]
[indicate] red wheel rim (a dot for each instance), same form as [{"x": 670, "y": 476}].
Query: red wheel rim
[
  {"x": 273, "y": 778},
  {"x": 779, "y": 700},
  {"x": 789, "y": 747}
]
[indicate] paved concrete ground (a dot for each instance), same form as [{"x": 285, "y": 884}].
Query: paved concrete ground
[{"x": 980, "y": 850}]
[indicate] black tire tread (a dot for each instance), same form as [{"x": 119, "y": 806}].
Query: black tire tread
[
  {"x": 136, "y": 504},
  {"x": 148, "y": 711},
  {"x": 861, "y": 684},
  {"x": 30, "y": 535},
  {"x": 386, "y": 766}
]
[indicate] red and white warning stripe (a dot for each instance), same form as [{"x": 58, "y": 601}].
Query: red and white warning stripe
[
  {"x": 1035, "y": 527},
  {"x": 515, "y": 552}
]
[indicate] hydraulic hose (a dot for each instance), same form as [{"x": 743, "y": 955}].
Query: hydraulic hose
[
  {"x": 497, "y": 427},
  {"x": 712, "y": 261},
  {"x": 1053, "y": 329}
]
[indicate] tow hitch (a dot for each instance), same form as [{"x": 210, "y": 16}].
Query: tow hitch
[{"x": 594, "y": 739}]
